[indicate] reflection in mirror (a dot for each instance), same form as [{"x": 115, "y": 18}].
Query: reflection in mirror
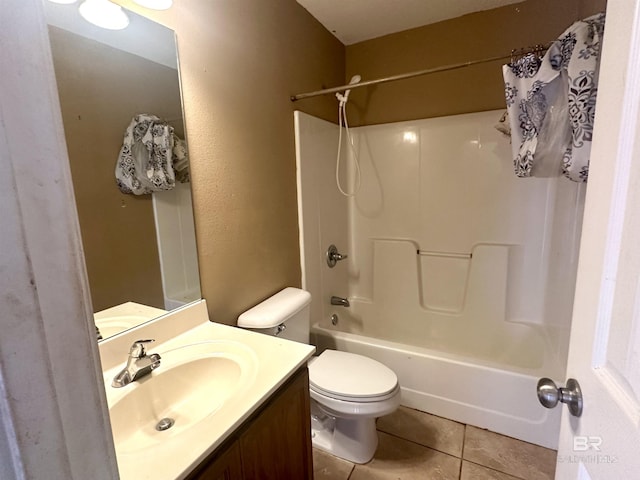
[{"x": 140, "y": 250}]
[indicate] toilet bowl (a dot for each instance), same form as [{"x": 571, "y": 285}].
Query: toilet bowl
[{"x": 348, "y": 391}]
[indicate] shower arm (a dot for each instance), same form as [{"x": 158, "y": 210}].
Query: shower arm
[{"x": 417, "y": 73}]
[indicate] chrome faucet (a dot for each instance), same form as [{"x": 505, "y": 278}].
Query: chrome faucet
[
  {"x": 138, "y": 365},
  {"x": 343, "y": 302}
]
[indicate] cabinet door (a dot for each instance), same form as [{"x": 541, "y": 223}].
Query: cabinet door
[
  {"x": 277, "y": 445},
  {"x": 227, "y": 466}
]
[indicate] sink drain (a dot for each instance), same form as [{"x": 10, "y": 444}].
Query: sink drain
[{"x": 165, "y": 424}]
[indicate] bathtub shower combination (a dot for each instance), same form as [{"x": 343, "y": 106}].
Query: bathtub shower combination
[{"x": 459, "y": 276}]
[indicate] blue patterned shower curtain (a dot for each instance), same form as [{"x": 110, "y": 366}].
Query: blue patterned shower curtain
[{"x": 551, "y": 101}]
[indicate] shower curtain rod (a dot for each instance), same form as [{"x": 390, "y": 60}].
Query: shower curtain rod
[{"x": 402, "y": 76}]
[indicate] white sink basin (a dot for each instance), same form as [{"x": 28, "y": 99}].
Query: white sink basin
[{"x": 192, "y": 383}]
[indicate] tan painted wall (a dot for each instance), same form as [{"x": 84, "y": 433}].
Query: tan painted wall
[
  {"x": 471, "y": 37},
  {"x": 240, "y": 61},
  {"x": 100, "y": 91}
]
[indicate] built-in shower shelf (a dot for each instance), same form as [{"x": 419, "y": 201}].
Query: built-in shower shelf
[{"x": 444, "y": 254}]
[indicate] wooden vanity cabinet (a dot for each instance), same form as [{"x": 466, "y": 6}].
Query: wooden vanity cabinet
[
  {"x": 274, "y": 443},
  {"x": 227, "y": 465}
]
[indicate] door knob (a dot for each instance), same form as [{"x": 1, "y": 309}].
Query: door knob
[{"x": 549, "y": 395}]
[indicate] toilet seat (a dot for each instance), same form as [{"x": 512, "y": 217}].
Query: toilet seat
[
  {"x": 356, "y": 409},
  {"x": 347, "y": 398},
  {"x": 349, "y": 377}
]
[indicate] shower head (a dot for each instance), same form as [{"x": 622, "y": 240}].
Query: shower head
[{"x": 343, "y": 97}]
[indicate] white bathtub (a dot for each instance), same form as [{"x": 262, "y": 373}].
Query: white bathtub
[{"x": 450, "y": 386}]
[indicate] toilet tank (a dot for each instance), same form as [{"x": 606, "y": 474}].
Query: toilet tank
[{"x": 285, "y": 315}]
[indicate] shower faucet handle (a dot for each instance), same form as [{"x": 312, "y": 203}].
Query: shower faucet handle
[{"x": 333, "y": 256}]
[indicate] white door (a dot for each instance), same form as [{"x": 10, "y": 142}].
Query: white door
[{"x": 604, "y": 443}]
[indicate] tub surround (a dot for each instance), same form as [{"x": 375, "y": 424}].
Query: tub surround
[
  {"x": 445, "y": 243},
  {"x": 454, "y": 264},
  {"x": 180, "y": 452}
]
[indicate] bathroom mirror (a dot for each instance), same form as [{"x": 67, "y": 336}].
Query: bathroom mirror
[{"x": 140, "y": 250}]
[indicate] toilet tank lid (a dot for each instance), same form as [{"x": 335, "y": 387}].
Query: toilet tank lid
[{"x": 275, "y": 309}]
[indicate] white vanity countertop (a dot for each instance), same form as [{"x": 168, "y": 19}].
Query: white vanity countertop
[
  {"x": 176, "y": 452},
  {"x": 114, "y": 320}
]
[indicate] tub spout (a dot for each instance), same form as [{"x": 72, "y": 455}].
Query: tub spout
[{"x": 343, "y": 302}]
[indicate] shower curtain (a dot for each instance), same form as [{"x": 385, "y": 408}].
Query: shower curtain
[
  {"x": 551, "y": 101},
  {"x": 145, "y": 162}
]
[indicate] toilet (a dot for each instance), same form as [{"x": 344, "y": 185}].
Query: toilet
[{"x": 348, "y": 391}]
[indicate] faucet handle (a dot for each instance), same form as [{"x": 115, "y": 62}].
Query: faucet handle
[
  {"x": 333, "y": 256},
  {"x": 137, "y": 349}
]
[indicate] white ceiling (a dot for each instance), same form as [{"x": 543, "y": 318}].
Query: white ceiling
[{"x": 353, "y": 21}]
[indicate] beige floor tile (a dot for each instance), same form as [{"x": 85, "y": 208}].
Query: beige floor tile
[
  {"x": 471, "y": 471},
  {"x": 401, "y": 459},
  {"x": 328, "y": 466},
  {"x": 425, "y": 429},
  {"x": 508, "y": 455}
]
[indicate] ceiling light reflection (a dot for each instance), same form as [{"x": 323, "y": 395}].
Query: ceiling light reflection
[{"x": 104, "y": 14}]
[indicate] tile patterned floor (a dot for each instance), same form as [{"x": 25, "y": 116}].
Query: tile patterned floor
[{"x": 418, "y": 446}]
